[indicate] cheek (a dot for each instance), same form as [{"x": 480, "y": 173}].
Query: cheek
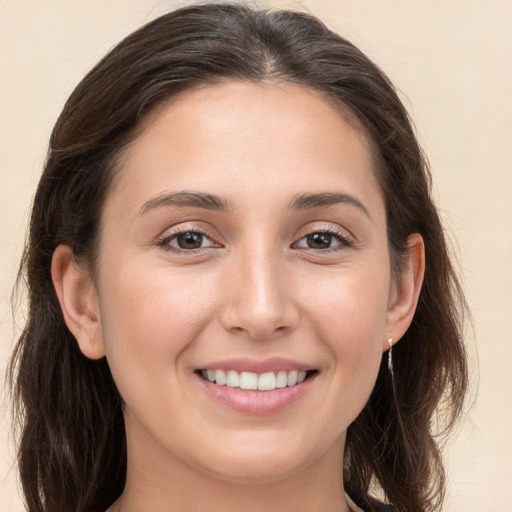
[
  {"x": 351, "y": 303},
  {"x": 149, "y": 317},
  {"x": 348, "y": 316}
]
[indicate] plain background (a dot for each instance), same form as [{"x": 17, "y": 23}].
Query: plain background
[{"x": 452, "y": 62}]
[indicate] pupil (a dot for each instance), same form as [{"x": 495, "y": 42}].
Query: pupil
[
  {"x": 319, "y": 240},
  {"x": 190, "y": 240}
]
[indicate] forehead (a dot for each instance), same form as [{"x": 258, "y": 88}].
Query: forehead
[{"x": 233, "y": 137}]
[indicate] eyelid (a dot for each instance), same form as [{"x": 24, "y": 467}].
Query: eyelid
[
  {"x": 343, "y": 236},
  {"x": 171, "y": 233}
]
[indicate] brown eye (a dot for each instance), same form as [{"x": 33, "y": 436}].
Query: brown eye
[
  {"x": 319, "y": 240},
  {"x": 323, "y": 241},
  {"x": 189, "y": 240}
]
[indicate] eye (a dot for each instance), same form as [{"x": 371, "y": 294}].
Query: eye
[
  {"x": 321, "y": 240},
  {"x": 187, "y": 241}
]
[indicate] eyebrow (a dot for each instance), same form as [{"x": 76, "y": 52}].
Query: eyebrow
[
  {"x": 186, "y": 198},
  {"x": 217, "y": 203},
  {"x": 323, "y": 199}
]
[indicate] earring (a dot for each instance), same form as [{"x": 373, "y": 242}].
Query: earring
[{"x": 390, "y": 356}]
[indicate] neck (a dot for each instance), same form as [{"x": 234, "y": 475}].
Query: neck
[{"x": 226, "y": 497}]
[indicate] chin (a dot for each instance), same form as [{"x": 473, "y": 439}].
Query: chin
[
  {"x": 257, "y": 471},
  {"x": 259, "y": 462}
]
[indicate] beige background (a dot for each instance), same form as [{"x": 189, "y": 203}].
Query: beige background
[{"x": 452, "y": 59}]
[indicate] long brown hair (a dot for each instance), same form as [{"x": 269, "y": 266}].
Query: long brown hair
[{"x": 72, "y": 449}]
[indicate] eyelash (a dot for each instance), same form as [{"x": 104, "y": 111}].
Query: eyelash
[
  {"x": 339, "y": 235},
  {"x": 345, "y": 241},
  {"x": 166, "y": 240}
]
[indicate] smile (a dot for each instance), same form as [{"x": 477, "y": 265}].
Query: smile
[{"x": 246, "y": 380}]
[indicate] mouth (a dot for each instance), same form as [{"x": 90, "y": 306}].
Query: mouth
[
  {"x": 257, "y": 386},
  {"x": 251, "y": 381}
]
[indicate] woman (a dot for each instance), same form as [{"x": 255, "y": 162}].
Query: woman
[{"x": 232, "y": 232}]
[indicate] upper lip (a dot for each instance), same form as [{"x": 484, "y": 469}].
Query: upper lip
[{"x": 247, "y": 364}]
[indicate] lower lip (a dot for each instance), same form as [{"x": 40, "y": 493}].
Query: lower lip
[{"x": 256, "y": 402}]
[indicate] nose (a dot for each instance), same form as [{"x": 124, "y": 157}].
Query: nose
[{"x": 258, "y": 299}]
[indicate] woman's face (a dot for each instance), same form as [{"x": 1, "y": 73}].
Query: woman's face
[{"x": 246, "y": 235}]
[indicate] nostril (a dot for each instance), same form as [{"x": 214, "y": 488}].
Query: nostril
[{"x": 259, "y": 311}]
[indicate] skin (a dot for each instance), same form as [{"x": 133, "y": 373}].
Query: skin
[{"x": 255, "y": 288}]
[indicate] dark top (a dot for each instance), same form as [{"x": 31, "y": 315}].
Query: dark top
[{"x": 381, "y": 507}]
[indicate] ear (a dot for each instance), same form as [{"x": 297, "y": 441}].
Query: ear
[
  {"x": 79, "y": 302},
  {"x": 405, "y": 291}
]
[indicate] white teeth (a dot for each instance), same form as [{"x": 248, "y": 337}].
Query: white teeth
[
  {"x": 281, "y": 379},
  {"x": 232, "y": 379},
  {"x": 248, "y": 380},
  {"x": 220, "y": 377},
  {"x": 252, "y": 381},
  {"x": 292, "y": 378},
  {"x": 267, "y": 381}
]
